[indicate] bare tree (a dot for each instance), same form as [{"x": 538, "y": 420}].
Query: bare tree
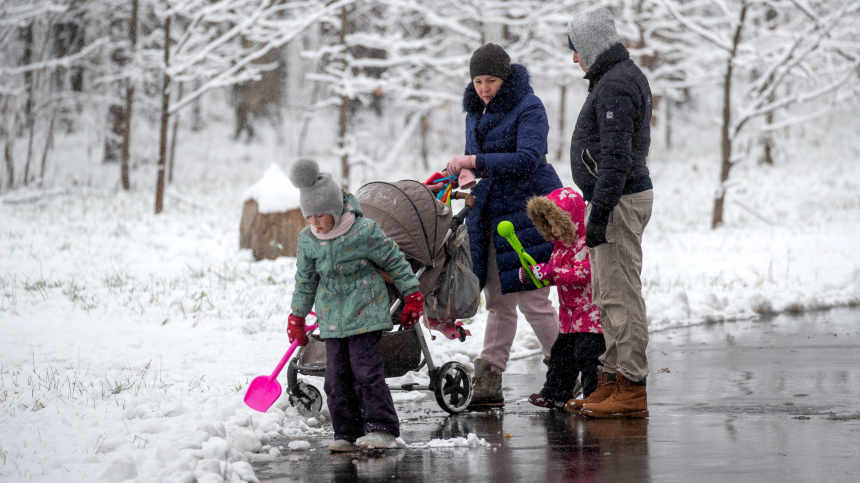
[
  {"x": 165, "y": 119},
  {"x": 129, "y": 100},
  {"x": 780, "y": 59}
]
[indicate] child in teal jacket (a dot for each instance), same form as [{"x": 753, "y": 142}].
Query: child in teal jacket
[{"x": 339, "y": 265}]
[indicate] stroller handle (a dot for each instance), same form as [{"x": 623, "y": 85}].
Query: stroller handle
[{"x": 461, "y": 216}]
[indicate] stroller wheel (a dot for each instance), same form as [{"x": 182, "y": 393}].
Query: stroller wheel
[
  {"x": 306, "y": 398},
  {"x": 453, "y": 388}
]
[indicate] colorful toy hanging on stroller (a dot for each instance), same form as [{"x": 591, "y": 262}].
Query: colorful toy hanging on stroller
[{"x": 426, "y": 231}]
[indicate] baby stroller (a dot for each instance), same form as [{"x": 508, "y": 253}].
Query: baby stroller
[{"x": 408, "y": 212}]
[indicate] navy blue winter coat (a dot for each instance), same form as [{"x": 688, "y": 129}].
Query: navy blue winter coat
[
  {"x": 612, "y": 134},
  {"x": 509, "y": 141}
]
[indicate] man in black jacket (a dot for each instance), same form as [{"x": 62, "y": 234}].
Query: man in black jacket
[{"x": 607, "y": 157}]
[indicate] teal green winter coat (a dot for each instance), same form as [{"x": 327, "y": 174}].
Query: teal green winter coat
[{"x": 343, "y": 277}]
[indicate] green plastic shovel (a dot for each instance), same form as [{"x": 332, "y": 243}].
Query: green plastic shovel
[{"x": 506, "y": 229}]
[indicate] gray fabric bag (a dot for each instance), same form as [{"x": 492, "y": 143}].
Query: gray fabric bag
[{"x": 458, "y": 292}]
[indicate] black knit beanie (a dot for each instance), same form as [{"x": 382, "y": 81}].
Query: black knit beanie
[{"x": 490, "y": 59}]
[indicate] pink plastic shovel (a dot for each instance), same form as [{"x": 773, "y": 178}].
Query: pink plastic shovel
[{"x": 265, "y": 390}]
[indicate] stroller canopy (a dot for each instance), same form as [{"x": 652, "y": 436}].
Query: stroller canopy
[{"x": 408, "y": 213}]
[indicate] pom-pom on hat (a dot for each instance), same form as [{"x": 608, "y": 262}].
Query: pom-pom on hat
[
  {"x": 318, "y": 193},
  {"x": 490, "y": 59}
]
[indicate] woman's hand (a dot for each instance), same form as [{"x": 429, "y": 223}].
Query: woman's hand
[
  {"x": 438, "y": 186},
  {"x": 458, "y": 163}
]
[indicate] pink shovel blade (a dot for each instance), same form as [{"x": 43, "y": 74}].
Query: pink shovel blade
[
  {"x": 265, "y": 390},
  {"x": 262, "y": 393}
]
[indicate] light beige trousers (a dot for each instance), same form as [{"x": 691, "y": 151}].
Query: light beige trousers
[
  {"x": 617, "y": 289},
  {"x": 502, "y": 320}
]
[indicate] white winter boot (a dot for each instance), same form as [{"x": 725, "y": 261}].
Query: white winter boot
[{"x": 377, "y": 439}]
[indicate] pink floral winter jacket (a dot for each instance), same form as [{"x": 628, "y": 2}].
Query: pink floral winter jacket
[{"x": 569, "y": 268}]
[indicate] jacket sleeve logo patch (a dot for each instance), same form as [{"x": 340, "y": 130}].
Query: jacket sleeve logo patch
[{"x": 609, "y": 115}]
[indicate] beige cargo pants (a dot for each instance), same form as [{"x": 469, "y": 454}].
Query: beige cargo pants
[{"x": 617, "y": 289}]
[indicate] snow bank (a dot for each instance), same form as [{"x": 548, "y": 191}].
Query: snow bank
[{"x": 273, "y": 192}]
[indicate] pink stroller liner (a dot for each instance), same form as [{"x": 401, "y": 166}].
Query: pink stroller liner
[{"x": 451, "y": 329}]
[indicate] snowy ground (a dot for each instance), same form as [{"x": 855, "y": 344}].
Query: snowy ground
[{"x": 127, "y": 339}]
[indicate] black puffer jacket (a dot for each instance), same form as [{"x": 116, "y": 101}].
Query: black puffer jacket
[{"x": 613, "y": 133}]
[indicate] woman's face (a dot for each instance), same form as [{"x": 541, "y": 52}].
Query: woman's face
[
  {"x": 322, "y": 223},
  {"x": 487, "y": 87}
]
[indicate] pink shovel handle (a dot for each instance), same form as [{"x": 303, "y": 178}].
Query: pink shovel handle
[{"x": 308, "y": 330}]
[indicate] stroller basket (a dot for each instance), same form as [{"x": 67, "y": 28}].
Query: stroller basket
[{"x": 400, "y": 351}]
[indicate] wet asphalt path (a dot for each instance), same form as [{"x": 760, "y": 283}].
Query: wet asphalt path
[{"x": 770, "y": 400}]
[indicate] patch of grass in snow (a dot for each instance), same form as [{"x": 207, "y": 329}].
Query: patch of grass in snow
[
  {"x": 8, "y": 293},
  {"x": 34, "y": 388},
  {"x": 130, "y": 381}
]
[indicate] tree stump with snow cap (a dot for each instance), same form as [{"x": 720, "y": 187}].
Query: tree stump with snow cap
[{"x": 271, "y": 219}]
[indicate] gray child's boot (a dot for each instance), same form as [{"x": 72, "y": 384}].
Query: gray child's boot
[{"x": 488, "y": 387}]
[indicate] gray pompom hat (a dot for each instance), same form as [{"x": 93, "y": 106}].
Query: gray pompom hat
[
  {"x": 593, "y": 33},
  {"x": 318, "y": 193}
]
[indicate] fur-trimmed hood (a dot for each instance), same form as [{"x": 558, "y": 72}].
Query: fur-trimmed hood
[
  {"x": 564, "y": 208},
  {"x": 513, "y": 90}
]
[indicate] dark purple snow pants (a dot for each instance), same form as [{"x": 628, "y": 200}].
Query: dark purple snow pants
[
  {"x": 358, "y": 397},
  {"x": 570, "y": 355}
]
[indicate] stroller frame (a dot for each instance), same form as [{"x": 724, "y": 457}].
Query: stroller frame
[{"x": 451, "y": 383}]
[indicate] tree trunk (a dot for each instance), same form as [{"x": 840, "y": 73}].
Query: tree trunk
[
  {"x": 129, "y": 102},
  {"x": 196, "y": 116},
  {"x": 173, "y": 138},
  {"x": 343, "y": 118},
  {"x": 165, "y": 118},
  {"x": 767, "y": 155},
  {"x": 113, "y": 141},
  {"x": 725, "y": 136},
  {"x": 116, "y": 111},
  {"x": 10, "y": 163},
  {"x": 668, "y": 130},
  {"x": 561, "y": 116},
  {"x": 342, "y": 125},
  {"x": 27, "y": 58},
  {"x": 49, "y": 144},
  {"x": 425, "y": 131}
]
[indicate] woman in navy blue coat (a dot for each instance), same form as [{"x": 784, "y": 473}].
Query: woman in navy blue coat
[{"x": 506, "y": 146}]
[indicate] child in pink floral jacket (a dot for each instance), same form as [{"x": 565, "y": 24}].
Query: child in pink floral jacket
[{"x": 560, "y": 218}]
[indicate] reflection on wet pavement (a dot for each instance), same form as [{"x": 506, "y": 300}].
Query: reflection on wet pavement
[{"x": 748, "y": 401}]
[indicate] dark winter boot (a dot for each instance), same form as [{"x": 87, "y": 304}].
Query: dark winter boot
[
  {"x": 488, "y": 387},
  {"x": 629, "y": 400},
  {"x": 542, "y": 401},
  {"x": 605, "y": 388}
]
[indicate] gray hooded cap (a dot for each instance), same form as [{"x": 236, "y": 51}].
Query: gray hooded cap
[
  {"x": 593, "y": 33},
  {"x": 318, "y": 193}
]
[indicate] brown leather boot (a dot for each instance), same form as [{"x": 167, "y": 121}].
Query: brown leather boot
[
  {"x": 627, "y": 402},
  {"x": 605, "y": 388},
  {"x": 488, "y": 387}
]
